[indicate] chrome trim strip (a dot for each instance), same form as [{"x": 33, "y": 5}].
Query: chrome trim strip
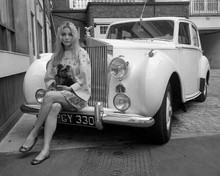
[
  {"x": 128, "y": 120},
  {"x": 98, "y": 115},
  {"x": 118, "y": 118},
  {"x": 191, "y": 97}
]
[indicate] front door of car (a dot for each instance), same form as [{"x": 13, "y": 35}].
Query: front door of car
[{"x": 188, "y": 59}]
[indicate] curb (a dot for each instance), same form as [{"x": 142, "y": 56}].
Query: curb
[{"x": 9, "y": 124}]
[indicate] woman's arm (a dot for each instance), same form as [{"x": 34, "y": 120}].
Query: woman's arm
[
  {"x": 49, "y": 78},
  {"x": 83, "y": 79}
]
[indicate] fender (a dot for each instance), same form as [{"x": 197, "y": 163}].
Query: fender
[
  {"x": 204, "y": 72},
  {"x": 157, "y": 75},
  {"x": 148, "y": 82},
  {"x": 204, "y": 67},
  {"x": 34, "y": 78}
]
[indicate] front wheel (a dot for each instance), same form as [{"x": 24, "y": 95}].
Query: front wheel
[{"x": 161, "y": 130}]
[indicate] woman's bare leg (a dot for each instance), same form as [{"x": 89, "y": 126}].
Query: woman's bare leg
[
  {"x": 49, "y": 129},
  {"x": 50, "y": 98},
  {"x": 51, "y": 123},
  {"x": 43, "y": 112}
]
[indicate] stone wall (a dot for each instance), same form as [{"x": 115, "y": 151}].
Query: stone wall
[{"x": 179, "y": 9}]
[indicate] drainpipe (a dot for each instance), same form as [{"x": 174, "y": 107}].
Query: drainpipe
[{"x": 45, "y": 26}]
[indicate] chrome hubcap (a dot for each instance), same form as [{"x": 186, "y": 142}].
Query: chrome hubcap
[
  {"x": 169, "y": 111},
  {"x": 205, "y": 89}
]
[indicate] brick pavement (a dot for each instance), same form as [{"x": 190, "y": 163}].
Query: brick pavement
[{"x": 200, "y": 118}]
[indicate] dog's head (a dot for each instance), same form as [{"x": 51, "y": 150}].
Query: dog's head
[
  {"x": 64, "y": 75},
  {"x": 63, "y": 71}
]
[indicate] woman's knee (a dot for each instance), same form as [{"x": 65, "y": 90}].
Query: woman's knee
[
  {"x": 48, "y": 97},
  {"x": 51, "y": 97},
  {"x": 56, "y": 107}
]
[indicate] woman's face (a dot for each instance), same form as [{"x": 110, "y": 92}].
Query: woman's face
[{"x": 67, "y": 37}]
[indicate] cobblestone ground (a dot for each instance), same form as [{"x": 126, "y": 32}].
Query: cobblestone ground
[{"x": 200, "y": 118}]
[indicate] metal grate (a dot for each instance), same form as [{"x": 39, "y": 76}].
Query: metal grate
[
  {"x": 117, "y": 162},
  {"x": 98, "y": 56}
]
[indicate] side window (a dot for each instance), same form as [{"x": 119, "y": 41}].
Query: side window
[
  {"x": 195, "y": 36},
  {"x": 184, "y": 34}
]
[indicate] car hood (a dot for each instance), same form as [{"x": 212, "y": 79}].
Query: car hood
[{"x": 139, "y": 44}]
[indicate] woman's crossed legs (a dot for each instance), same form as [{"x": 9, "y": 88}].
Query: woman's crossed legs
[{"x": 50, "y": 108}]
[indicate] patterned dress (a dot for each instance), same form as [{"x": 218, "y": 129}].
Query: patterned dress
[{"x": 79, "y": 70}]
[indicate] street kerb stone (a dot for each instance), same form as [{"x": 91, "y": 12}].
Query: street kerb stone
[{"x": 117, "y": 162}]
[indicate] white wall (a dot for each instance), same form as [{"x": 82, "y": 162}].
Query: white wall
[
  {"x": 13, "y": 63},
  {"x": 209, "y": 22}
]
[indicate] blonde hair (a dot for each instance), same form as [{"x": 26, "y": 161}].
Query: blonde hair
[{"x": 59, "y": 47}]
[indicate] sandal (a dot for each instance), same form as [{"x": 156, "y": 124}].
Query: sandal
[
  {"x": 26, "y": 149},
  {"x": 36, "y": 161}
]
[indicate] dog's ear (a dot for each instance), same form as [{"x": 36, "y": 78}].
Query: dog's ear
[
  {"x": 66, "y": 70},
  {"x": 59, "y": 66}
]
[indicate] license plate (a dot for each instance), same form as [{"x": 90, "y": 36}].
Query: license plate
[{"x": 77, "y": 119}]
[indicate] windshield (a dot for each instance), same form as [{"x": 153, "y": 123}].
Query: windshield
[{"x": 159, "y": 29}]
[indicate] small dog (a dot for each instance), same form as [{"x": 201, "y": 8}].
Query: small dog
[{"x": 64, "y": 75}]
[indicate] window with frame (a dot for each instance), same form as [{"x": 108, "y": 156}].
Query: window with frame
[
  {"x": 103, "y": 29},
  {"x": 195, "y": 36},
  {"x": 199, "y": 5},
  {"x": 184, "y": 34},
  {"x": 212, "y": 6},
  {"x": 7, "y": 31},
  {"x": 205, "y": 6},
  {"x": 32, "y": 28},
  {"x": 40, "y": 37}
]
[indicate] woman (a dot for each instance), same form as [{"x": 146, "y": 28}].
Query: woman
[{"x": 68, "y": 54}]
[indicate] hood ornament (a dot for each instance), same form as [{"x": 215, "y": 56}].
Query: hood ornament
[{"x": 88, "y": 31}]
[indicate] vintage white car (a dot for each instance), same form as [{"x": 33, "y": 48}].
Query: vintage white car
[{"x": 142, "y": 71}]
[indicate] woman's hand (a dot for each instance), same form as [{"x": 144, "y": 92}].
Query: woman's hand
[
  {"x": 52, "y": 87},
  {"x": 62, "y": 87}
]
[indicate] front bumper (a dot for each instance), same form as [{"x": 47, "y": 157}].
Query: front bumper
[{"x": 103, "y": 116}]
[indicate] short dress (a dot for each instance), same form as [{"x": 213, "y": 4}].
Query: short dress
[{"x": 78, "y": 67}]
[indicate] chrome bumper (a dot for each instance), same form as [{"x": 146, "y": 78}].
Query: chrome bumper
[
  {"x": 104, "y": 116},
  {"x": 119, "y": 118}
]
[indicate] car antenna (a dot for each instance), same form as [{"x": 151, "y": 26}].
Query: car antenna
[{"x": 143, "y": 10}]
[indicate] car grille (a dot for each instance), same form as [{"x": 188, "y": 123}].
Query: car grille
[{"x": 99, "y": 82}]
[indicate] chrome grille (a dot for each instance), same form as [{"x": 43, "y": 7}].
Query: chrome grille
[{"x": 98, "y": 57}]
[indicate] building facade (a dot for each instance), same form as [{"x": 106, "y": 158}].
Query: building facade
[
  {"x": 206, "y": 15},
  {"x": 100, "y": 13},
  {"x": 25, "y": 32}
]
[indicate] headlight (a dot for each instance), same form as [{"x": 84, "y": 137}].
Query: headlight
[
  {"x": 119, "y": 67},
  {"x": 122, "y": 102},
  {"x": 39, "y": 95}
]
